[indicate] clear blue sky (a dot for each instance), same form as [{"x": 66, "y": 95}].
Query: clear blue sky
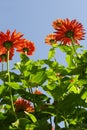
[{"x": 34, "y": 19}]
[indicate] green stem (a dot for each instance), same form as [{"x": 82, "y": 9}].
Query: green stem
[
  {"x": 2, "y": 65},
  {"x": 51, "y": 122},
  {"x": 8, "y": 72},
  {"x": 33, "y": 100},
  {"x": 74, "y": 46},
  {"x": 55, "y": 121},
  {"x": 31, "y": 91},
  {"x": 65, "y": 123},
  {"x": 3, "y": 60}
]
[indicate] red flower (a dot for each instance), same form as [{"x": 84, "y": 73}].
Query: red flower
[
  {"x": 37, "y": 92},
  {"x": 27, "y": 47},
  {"x": 67, "y": 30},
  {"x": 23, "y": 105},
  {"x": 57, "y": 23},
  {"x": 10, "y": 40},
  {"x": 3, "y": 54},
  {"x": 51, "y": 39}
]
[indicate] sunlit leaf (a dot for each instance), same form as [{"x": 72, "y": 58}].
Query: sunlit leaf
[
  {"x": 24, "y": 58},
  {"x": 32, "y": 117},
  {"x": 39, "y": 77},
  {"x": 13, "y": 85},
  {"x": 51, "y": 53},
  {"x": 69, "y": 59}
]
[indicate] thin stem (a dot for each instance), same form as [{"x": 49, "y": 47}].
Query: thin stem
[
  {"x": 33, "y": 100},
  {"x": 51, "y": 121},
  {"x": 31, "y": 91},
  {"x": 2, "y": 65},
  {"x": 55, "y": 121},
  {"x": 65, "y": 123},
  {"x": 8, "y": 71},
  {"x": 74, "y": 46},
  {"x": 3, "y": 60}
]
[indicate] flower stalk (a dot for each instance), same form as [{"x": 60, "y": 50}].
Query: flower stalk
[
  {"x": 8, "y": 73},
  {"x": 72, "y": 40},
  {"x": 2, "y": 65}
]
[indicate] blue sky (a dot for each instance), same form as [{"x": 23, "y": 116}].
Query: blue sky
[{"x": 34, "y": 19}]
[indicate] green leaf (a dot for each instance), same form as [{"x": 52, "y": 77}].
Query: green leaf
[
  {"x": 20, "y": 124},
  {"x": 39, "y": 77},
  {"x": 30, "y": 127},
  {"x": 51, "y": 53},
  {"x": 84, "y": 95},
  {"x": 3, "y": 75},
  {"x": 51, "y": 86},
  {"x": 78, "y": 70},
  {"x": 65, "y": 48},
  {"x": 32, "y": 117},
  {"x": 14, "y": 77},
  {"x": 14, "y": 85},
  {"x": 73, "y": 89},
  {"x": 82, "y": 81},
  {"x": 51, "y": 75},
  {"x": 2, "y": 89},
  {"x": 69, "y": 59},
  {"x": 2, "y": 117},
  {"x": 24, "y": 58}
]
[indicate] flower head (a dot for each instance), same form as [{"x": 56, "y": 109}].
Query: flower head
[
  {"x": 23, "y": 105},
  {"x": 67, "y": 30},
  {"x": 50, "y": 39},
  {"x": 57, "y": 23},
  {"x": 27, "y": 47},
  {"x": 10, "y": 40},
  {"x": 3, "y": 54}
]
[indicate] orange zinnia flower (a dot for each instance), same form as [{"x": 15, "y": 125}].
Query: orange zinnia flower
[
  {"x": 3, "y": 54},
  {"x": 68, "y": 30},
  {"x": 51, "y": 39},
  {"x": 57, "y": 23},
  {"x": 10, "y": 40},
  {"x": 23, "y": 105},
  {"x": 27, "y": 47}
]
